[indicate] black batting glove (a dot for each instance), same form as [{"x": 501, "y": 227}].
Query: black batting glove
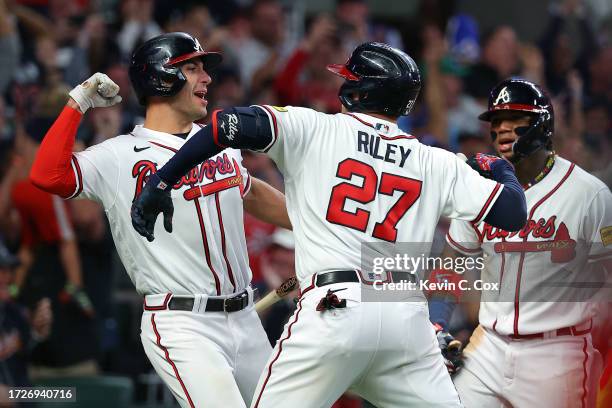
[
  {"x": 154, "y": 198},
  {"x": 451, "y": 349}
]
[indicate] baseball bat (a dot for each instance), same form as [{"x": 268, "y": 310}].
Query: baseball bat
[{"x": 271, "y": 298}]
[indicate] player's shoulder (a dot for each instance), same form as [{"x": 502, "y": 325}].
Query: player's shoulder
[
  {"x": 435, "y": 157},
  {"x": 581, "y": 180},
  {"x": 112, "y": 146},
  {"x": 293, "y": 112}
]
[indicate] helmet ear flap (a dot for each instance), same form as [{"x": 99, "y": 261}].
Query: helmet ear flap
[{"x": 533, "y": 137}]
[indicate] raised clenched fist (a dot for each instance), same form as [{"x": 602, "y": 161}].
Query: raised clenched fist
[{"x": 97, "y": 91}]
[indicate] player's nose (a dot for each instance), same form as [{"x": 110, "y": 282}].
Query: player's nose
[
  {"x": 205, "y": 77},
  {"x": 503, "y": 126}
]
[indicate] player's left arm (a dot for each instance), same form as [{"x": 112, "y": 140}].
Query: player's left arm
[
  {"x": 267, "y": 203},
  {"x": 239, "y": 128}
]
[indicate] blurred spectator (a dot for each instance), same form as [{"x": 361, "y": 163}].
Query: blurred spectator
[
  {"x": 261, "y": 55},
  {"x": 304, "y": 81},
  {"x": 138, "y": 25},
  {"x": 107, "y": 123},
  {"x": 19, "y": 330},
  {"x": 258, "y": 233},
  {"x": 45, "y": 220},
  {"x": 10, "y": 48},
  {"x": 450, "y": 111},
  {"x": 355, "y": 27},
  {"x": 462, "y": 35},
  {"x": 278, "y": 265},
  {"x": 228, "y": 90},
  {"x": 263, "y": 168},
  {"x": 599, "y": 79},
  {"x": 50, "y": 266},
  {"x": 499, "y": 60},
  {"x": 352, "y": 21},
  {"x": 95, "y": 50},
  {"x": 40, "y": 89},
  {"x": 568, "y": 42},
  {"x": 471, "y": 143},
  {"x": 597, "y": 135}
]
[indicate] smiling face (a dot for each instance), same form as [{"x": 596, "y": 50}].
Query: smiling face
[
  {"x": 191, "y": 100},
  {"x": 503, "y": 130}
]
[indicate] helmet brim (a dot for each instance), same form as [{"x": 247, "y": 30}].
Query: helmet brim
[
  {"x": 512, "y": 107},
  {"x": 210, "y": 59},
  {"x": 343, "y": 71}
]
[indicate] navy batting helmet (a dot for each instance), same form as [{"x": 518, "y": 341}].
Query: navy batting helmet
[
  {"x": 520, "y": 95},
  {"x": 153, "y": 69},
  {"x": 378, "y": 79}
]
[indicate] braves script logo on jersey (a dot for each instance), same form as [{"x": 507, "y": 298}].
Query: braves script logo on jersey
[
  {"x": 209, "y": 169},
  {"x": 561, "y": 246}
]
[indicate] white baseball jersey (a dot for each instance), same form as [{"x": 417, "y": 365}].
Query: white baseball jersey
[
  {"x": 552, "y": 258},
  {"x": 353, "y": 178},
  {"x": 206, "y": 252}
]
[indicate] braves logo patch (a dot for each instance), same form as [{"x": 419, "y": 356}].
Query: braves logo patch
[
  {"x": 606, "y": 235},
  {"x": 502, "y": 97}
]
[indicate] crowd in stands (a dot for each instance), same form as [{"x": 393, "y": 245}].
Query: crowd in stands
[{"x": 62, "y": 289}]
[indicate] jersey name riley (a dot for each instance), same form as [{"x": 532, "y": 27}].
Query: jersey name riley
[{"x": 389, "y": 152}]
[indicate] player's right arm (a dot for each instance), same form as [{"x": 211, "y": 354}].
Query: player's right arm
[{"x": 52, "y": 170}]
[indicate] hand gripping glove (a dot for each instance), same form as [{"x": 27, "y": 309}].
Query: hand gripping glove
[{"x": 98, "y": 91}]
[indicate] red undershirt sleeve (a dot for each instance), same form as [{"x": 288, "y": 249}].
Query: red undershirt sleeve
[{"x": 52, "y": 170}]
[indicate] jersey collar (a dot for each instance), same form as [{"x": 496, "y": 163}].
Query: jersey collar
[
  {"x": 166, "y": 139},
  {"x": 381, "y": 126}
]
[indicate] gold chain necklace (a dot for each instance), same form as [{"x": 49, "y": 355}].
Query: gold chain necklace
[{"x": 550, "y": 162}]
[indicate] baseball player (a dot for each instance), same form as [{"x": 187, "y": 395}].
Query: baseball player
[
  {"x": 530, "y": 351},
  {"x": 351, "y": 178},
  {"x": 199, "y": 328}
]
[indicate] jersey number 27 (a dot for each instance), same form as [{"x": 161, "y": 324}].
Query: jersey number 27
[{"x": 389, "y": 184}]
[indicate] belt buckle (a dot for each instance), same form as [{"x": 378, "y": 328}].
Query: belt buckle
[
  {"x": 225, "y": 305},
  {"x": 231, "y": 307}
]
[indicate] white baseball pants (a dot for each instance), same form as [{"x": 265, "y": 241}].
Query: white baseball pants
[
  {"x": 385, "y": 352},
  {"x": 560, "y": 372},
  {"x": 207, "y": 359}
]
